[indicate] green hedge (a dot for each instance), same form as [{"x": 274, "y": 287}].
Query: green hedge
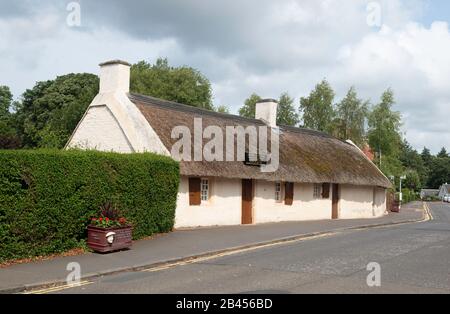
[{"x": 47, "y": 197}]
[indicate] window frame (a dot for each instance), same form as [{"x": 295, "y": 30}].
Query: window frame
[
  {"x": 317, "y": 191},
  {"x": 278, "y": 193},
  {"x": 202, "y": 190}
]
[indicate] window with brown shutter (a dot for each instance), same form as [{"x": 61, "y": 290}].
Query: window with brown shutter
[
  {"x": 326, "y": 190},
  {"x": 289, "y": 194},
  {"x": 194, "y": 192}
]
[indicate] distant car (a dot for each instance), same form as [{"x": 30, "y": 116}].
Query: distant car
[{"x": 447, "y": 198}]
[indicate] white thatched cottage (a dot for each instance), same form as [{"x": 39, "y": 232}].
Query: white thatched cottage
[{"x": 317, "y": 176}]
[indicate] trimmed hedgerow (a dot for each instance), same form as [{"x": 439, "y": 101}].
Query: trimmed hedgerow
[{"x": 47, "y": 197}]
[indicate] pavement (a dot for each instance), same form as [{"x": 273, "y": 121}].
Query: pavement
[{"x": 185, "y": 245}]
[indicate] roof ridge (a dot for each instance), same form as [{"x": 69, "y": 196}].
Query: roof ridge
[{"x": 182, "y": 107}]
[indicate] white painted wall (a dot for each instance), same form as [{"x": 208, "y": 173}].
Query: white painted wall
[
  {"x": 118, "y": 113},
  {"x": 100, "y": 131},
  {"x": 223, "y": 208},
  {"x": 305, "y": 206},
  {"x": 360, "y": 202}
]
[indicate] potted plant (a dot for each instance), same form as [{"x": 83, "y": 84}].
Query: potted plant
[{"x": 109, "y": 231}]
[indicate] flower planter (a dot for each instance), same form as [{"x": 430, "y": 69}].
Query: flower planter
[{"x": 105, "y": 240}]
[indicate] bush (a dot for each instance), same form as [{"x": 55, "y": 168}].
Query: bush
[
  {"x": 410, "y": 196},
  {"x": 47, "y": 197}
]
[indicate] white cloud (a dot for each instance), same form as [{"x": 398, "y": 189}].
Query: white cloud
[{"x": 259, "y": 46}]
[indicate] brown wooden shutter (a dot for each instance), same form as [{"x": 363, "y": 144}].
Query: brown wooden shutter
[
  {"x": 289, "y": 194},
  {"x": 326, "y": 190},
  {"x": 194, "y": 192}
]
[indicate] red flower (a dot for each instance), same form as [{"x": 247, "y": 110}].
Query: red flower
[
  {"x": 101, "y": 219},
  {"x": 107, "y": 219},
  {"x": 122, "y": 221}
]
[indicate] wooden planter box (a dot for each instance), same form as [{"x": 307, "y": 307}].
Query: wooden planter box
[{"x": 97, "y": 240}]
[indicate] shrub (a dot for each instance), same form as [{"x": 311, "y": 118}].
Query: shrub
[{"x": 47, "y": 197}]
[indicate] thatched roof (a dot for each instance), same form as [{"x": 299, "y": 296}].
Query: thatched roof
[{"x": 305, "y": 155}]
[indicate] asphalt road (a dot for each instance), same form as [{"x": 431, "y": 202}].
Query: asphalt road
[{"x": 414, "y": 258}]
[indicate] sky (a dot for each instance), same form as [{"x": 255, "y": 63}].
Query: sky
[{"x": 262, "y": 46}]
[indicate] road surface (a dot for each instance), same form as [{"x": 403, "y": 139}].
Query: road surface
[{"x": 413, "y": 258}]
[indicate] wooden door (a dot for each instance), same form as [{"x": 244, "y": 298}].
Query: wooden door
[
  {"x": 247, "y": 202},
  {"x": 335, "y": 202}
]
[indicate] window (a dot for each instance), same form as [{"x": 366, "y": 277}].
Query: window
[
  {"x": 278, "y": 192},
  {"x": 205, "y": 190},
  {"x": 317, "y": 191}
]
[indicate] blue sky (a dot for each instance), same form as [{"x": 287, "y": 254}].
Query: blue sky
[
  {"x": 435, "y": 10},
  {"x": 262, "y": 46}
]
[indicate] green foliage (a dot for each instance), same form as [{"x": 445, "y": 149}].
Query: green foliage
[
  {"x": 317, "y": 108},
  {"x": 351, "y": 114},
  {"x": 384, "y": 126},
  {"x": 222, "y": 109},
  {"x": 8, "y": 136},
  {"x": 439, "y": 172},
  {"x": 287, "y": 114},
  {"x": 409, "y": 196},
  {"x": 50, "y": 111},
  {"x": 181, "y": 84},
  {"x": 47, "y": 197},
  {"x": 249, "y": 108}
]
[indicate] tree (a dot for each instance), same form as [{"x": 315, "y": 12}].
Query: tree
[
  {"x": 442, "y": 153},
  {"x": 222, "y": 109},
  {"x": 249, "y": 108},
  {"x": 351, "y": 114},
  {"x": 439, "y": 172},
  {"x": 317, "y": 108},
  {"x": 286, "y": 114},
  {"x": 179, "y": 84},
  {"x": 384, "y": 126},
  {"x": 8, "y": 136},
  {"x": 413, "y": 181},
  {"x": 413, "y": 162},
  {"x": 49, "y": 112},
  {"x": 426, "y": 156}
]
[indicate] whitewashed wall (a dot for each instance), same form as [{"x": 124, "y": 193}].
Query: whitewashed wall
[
  {"x": 358, "y": 202},
  {"x": 223, "y": 209},
  {"x": 304, "y": 207}
]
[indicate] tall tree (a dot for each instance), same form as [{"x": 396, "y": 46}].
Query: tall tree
[
  {"x": 179, "y": 84},
  {"x": 351, "y": 114},
  {"x": 426, "y": 156},
  {"x": 439, "y": 172},
  {"x": 443, "y": 153},
  {"x": 414, "y": 164},
  {"x": 50, "y": 111},
  {"x": 8, "y": 136},
  {"x": 384, "y": 126},
  {"x": 249, "y": 108},
  {"x": 317, "y": 108},
  {"x": 286, "y": 114}
]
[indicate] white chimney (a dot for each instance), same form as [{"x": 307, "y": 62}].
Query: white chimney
[
  {"x": 266, "y": 110},
  {"x": 115, "y": 76}
]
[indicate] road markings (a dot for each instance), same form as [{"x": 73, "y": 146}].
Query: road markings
[
  {"x": 59, "y": 288},
  {"x": 238, "y": 251},
  {"x": 428, "y": 211}
]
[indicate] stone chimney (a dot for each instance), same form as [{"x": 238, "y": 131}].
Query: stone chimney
[
  {"x": 115, "y": 76},
  {"x": 266, "y": 111}
]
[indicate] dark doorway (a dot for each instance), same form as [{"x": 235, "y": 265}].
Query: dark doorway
[
  {"x": 247, "y": 202},
  {"x": 335, "y": 202}
]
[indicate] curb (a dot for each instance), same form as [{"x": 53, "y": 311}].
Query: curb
[{"x": 210, "y": 254}]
